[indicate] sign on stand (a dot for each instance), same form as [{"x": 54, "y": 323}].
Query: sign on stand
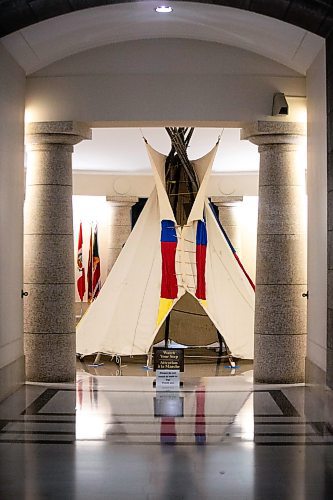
[
  {"x": 167, "y": 380},
  {"x": 168, "y": 363}
]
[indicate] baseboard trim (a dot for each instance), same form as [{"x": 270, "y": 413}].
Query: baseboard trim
[
  {"x": 12, "y": 377},
  {"x": 314, "y": 374}
]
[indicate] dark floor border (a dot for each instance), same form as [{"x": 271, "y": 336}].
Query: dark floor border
[
  {"x": 40, "y": 402},
  {"x": 280, "y": 399}
]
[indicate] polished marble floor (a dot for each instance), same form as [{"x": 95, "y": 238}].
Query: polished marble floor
[{"x": 115, "y": 437}]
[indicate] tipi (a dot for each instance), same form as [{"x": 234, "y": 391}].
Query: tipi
[{"x": 160, "y": 262}]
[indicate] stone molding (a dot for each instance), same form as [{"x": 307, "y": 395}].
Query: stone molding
[
  {"x": 122, "y": 201},
  {"x": 273, "y": 132},
  {"x": 227, "y": 201},
  {"x": 62, "y": 132}
]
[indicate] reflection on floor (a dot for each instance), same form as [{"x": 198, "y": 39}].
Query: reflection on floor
[{"x": 216, "y": 438}]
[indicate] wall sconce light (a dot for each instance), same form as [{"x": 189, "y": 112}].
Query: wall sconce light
[{"x": 280, "y": 105}]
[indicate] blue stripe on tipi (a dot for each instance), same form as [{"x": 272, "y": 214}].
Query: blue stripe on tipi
[
  {"x": 168, "y": 232},
  {"x": 201, "y": 233}
]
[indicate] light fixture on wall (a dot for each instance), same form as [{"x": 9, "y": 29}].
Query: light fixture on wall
[
  {"x": 280, "y": 105},
  {"x": 163, "y": 9}
]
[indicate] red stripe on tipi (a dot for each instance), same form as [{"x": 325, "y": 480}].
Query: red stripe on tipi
[
  {"x": 169, "y": 287},
  {"x": 201, "y": 271}
]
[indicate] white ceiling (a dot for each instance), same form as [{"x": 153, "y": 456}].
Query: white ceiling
[
  {"x": 122, "y": 150},
  {"x": 41, "y": 44}
]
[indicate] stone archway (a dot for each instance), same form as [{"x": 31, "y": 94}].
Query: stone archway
[{"x": 314, "y": 16}]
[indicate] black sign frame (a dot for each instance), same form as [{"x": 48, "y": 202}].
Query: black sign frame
[{"x": 168, "y": 359}]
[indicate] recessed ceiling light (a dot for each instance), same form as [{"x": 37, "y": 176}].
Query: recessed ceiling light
[{"x": 163, "y": 9}]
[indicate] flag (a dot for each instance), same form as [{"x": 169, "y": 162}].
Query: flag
[
  {"x": 90, "y": 269},
  {"x": 81, "y": 282},
  {"x": 94, "y": 271},
  {"x": 96, "y": 276}
]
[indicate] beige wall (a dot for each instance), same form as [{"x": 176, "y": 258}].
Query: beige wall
[
  {"x": 128, "y": 82},
  {"x": 107, "y": 184},
  {"x": 317, "y": 212},
  {"x": 12, "y": 88}
]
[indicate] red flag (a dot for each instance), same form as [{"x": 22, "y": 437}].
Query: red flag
[
  {"x": 81, "y": 282},
  {"x": 96, "y": 267},
  {"x": 90, "y": 270}
]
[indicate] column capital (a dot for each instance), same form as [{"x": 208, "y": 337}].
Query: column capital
[
  {"x": 57, "y": 132},
  {"x": 122, "y": 201},
  {"x": 273, "y": 132},
  {"x": 226, "y": 201}
]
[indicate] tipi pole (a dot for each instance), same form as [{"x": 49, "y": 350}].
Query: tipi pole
[
  {"x": 221, "y": 342},
  {"x": 98, "y": 358},
  {"x": 148, "y": 366},
  {"x": 232, "y": 247},
  {"x": 167, "y": 331},
  {"x": 92, "y": 263}
]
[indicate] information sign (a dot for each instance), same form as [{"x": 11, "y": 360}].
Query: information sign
[
  {"x": 168, "y": 359},
  {"x": 167, "y": 380}
]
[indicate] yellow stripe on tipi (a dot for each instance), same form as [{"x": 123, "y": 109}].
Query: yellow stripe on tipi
[
  {"x": 163, "y": 309},
  {"x": 203, "y": 302}
]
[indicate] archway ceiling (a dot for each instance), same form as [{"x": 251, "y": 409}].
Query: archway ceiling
[
  {"x": 312, "y": 15},
  {"x": 40, "y": 44}
]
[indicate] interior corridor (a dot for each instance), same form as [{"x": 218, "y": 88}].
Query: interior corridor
[{"x": 116, "y": 437}]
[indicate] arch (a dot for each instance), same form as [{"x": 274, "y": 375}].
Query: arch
[
  {"x": 312, "y": 15},
  {"x": 315, "y": 16},
  {"x": 34, "y": 48}
]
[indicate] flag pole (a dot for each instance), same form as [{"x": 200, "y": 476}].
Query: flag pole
[
  {"x": 97, "y": 362},
  {"x": 81, "y": 287},
  {"x": 92, "y": 263}
]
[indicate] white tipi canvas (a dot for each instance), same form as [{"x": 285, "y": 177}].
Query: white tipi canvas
[{"x": 129, "y": 311}]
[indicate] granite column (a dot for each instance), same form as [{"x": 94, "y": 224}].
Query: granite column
[
  {"x": 49, "y": 318},
  {"x": 120, "y": 224},
  {"x": 280, "y": 314}
]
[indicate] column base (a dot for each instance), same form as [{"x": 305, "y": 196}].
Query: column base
[
  {"x": 50, "y": 357},
  {"x": 279, "y": 359}
]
